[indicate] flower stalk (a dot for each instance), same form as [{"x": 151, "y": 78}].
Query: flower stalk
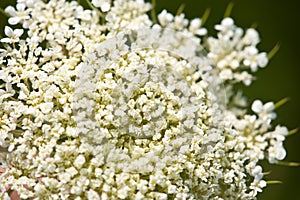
[
  {"x": 228, "y": 10},
  {"x": 294, "y": 131},
  {"x": 180, "y": 9},
  {"x": 288, "y": 164},
  {"x": 4, "y": 13},
  {"x": 205, "y": 16},
  {"x": 281, "y": 102},
  {"x": 273, "y": 182},
  {"x": 153, "y": 12},
  {"x": 274, "y": 51}
]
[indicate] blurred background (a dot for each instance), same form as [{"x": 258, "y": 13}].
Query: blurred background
[{"x": 277, "y": 22}]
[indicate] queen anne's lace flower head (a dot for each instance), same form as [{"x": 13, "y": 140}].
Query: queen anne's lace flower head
[{"x": 127, "y": 108}]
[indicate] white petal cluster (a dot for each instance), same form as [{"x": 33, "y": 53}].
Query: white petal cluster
[
  {"x": 234, "y": 50},
  {"x": 128, "y": 14},
  {"x": 124, "y": 108}
]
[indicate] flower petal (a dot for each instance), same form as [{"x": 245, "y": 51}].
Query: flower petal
[
  {"x": 18, "y": 32},
  {"x": 10, "y": 10},
  {"x": 14, "y": 20},
  {"x": 8, "y": 31},
  {"x": 5, "y": 40},
  {"x": 257, "y": 106},
  {"x": 21, "y": 7}
]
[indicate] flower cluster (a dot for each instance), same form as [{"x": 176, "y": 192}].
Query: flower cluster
[{"x": 109, "y": 104}]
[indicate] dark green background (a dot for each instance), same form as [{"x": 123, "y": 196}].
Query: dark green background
[{"x": 278, "y": 21}]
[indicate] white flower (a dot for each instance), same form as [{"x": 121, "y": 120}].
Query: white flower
[
  {"x": 280, "y": 152},
  {"x": 123, "y": 192},
  {"x": 226, "y": 25},
  {"x": 257, "y": 172},
  {"x": 258, "y": 107},
  {"x": 13, "y": 35},
  {"x": 104, "y": 5},
  {"x": 276, "y": 150},
  {"x": 251, "y": 37},
  {"x": 165, "y": 18},
  {"x": 194, "y": 27},
  {"x": 253, "y": 59},
  {"x": 93, "y": 195},
  {"x": 18, "y": 15},
  {"x": 226, "y": 74},
  {"x": 46, "y": 107},
  {"x": 128, "y": 14},
  {"x": 79, "y": 161}
]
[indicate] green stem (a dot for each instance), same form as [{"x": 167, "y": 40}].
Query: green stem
[
  {"x": 153, "y": 12},
  {"x": 205, "y": 16},
  {"x": 294, "y": 131},
  {"x": 228, "y": 10},
  {"x": 180, "y": 9},
  {"x": 273, "y": 182},
  {"x": 273, "y": 52},
  {"x": 266, "y": 173},
  {"x": 281, "y": 102},
  {"x": 289, "y": 164},
  {"x": 4, "y": 13}
]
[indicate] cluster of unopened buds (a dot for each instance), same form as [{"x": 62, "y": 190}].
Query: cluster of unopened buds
[{"x": 106, "y": 102}]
